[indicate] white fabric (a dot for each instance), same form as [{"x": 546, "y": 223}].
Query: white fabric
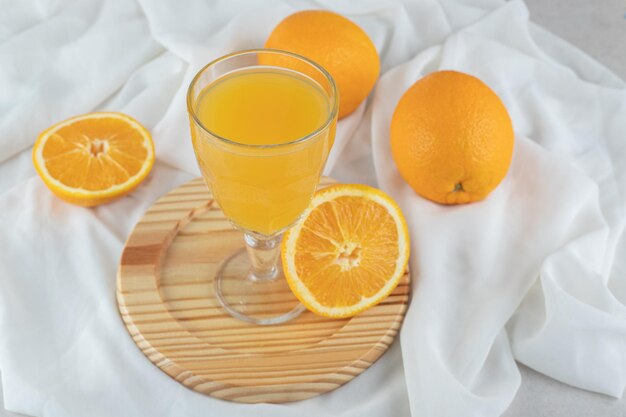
[{"x": 535, "y": 273}]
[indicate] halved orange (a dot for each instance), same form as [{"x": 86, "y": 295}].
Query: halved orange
[
  {"x": 94, "y": 158},
  {"x": 348, "y": 252}
]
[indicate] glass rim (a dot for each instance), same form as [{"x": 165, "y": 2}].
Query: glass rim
[{"x": 325, "y": 73}]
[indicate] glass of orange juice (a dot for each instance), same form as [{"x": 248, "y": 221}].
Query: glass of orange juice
[{"x": 262, "y": 125}]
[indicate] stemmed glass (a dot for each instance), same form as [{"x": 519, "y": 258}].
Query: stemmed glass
[{"x": 261, "y": 186}]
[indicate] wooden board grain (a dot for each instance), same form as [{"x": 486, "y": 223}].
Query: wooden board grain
[{"x": 165, "y": 297}]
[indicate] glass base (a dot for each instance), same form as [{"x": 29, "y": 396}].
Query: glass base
[{"x": 260, "y": 300}]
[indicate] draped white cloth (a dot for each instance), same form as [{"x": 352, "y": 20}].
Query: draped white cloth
[{"x": 535, "y": 273}]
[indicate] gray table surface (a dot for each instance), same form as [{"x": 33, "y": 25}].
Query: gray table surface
[{"x": 598, "y": 27}]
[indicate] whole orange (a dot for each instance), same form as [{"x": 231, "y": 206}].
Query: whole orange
[
  {"x": 451, "y": 138},
  {"x": 338, "y": 45}
]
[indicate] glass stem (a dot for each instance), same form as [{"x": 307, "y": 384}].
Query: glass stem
[{"x": 264, "y": 253}]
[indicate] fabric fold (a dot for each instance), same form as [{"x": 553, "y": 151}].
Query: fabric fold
[
  {"x": 67, "y": 62},
  {"x": 542, "y": 239}
]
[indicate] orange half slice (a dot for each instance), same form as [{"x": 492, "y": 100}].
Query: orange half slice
[
  {"x": 94, "y": 158},
  {"x": 348, "y": 252}
]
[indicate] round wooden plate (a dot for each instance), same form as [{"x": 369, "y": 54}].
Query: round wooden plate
[{"x": 165, "y": 297}]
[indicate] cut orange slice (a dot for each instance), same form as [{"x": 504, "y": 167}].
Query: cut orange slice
[
  {"x": 94, "y": 158},
  {"x": 348, "y": 252}
]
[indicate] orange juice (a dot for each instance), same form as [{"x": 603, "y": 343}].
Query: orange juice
[{"x": 262, "y": 148}]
